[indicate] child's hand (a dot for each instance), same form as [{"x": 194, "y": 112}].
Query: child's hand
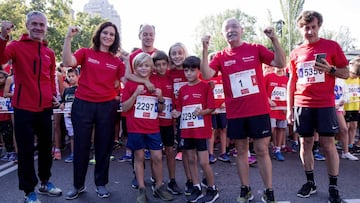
[
  {"x": 175, "y": 114},
  {"x": 140, "y": 90},
  {"x": 150, "y": 86},
  {"x": 158, "y": 93},
  {"x": 197, "y": 111},
  {"x": 62, "y": 106}
]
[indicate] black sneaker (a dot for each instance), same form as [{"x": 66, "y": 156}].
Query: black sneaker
[
  {"x": 245, "y": 195},
  {"x": 211, "y": 195},
  {"x": 162, "y": 193},
  {"x": 334, "y": 196},
  {"x": 268, "y": 196},
  {"x": 74, "y": 193},
  {"x": 195, "y": 195},
  {"x": 204, "y": 183},
  {"x": 189, "y": 187},
  {"x": 307, "y": 189},
  {"x": 173, "y": 188}
]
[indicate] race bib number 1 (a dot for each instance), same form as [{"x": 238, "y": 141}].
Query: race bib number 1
[
  {"x": 146, "y": 107},
  {"x": 244, "y": 83},
  {"x": 166, "y": 113},
  {"x": 189, "y": 119}
]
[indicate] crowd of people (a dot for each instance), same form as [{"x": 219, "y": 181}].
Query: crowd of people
[{"x": 160, "y": 100}]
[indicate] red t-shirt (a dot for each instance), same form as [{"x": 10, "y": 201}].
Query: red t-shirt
[
  {"x": 165, "y": 84},
  {"x": 138, "y": 118},
  {"x": 314, "y": 89},
  {"x": 218, "y": 90},
  {"x": 99, "y": 71},
  {"x": 244, "y": 88},
  {"x": 276, "y": 90},
  {"x": 178, "y": 80},
  {"x": 200, "y": 93}
]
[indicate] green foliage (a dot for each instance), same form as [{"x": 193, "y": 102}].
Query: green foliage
[
  {"x": 211, "y": 25},
  {"x": 60, "y": 17},
  {"x": 13, "y": 10}
]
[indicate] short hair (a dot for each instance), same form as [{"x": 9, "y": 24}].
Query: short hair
[
  {"x": 141, "y": 28},
  {"x": 192, "y": 62},
  {"x": 34, "y": 13},
  {"x": 71, "y": 70},
  {"x": 142, "y": 58},
  {"x": 159, "y": 55},
  {"x": 307, "y": 17},
  {"x": 96, "y": 38}
]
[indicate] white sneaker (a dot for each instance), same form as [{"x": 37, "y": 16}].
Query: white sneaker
[{"x": 349, "y": 156}]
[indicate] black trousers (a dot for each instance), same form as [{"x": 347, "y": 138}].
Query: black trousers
[
  {"x": 85, "y": 117},
  {"x": 28, "y": 125}
]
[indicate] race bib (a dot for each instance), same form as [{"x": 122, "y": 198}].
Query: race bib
[
  {"x": 219, "y": 91},
  {"x": 278, "y": 94},
  {"x": 189, "y": 119},
  {"x": 308, "y": 74},
  {"x": 177, "y": 86},
  {"x": 353, "y": 93},
  {"x": 166, "y": 113},
  {"x": 146, "y": 107},
  {"x": 4, "y": 102},
  {"x": 244, "y": 83}
]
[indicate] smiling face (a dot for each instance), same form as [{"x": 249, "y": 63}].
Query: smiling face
[
  {"x": 37, "y": 26},
  {"x": 147, "y": 36},
  {"x": 177, "y": 55},
  {"x": 107, "y": 37}
]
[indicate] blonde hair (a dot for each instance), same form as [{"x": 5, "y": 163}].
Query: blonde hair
[{"x": 142, "y": 58}]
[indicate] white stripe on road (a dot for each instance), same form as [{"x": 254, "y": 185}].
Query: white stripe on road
[
  {"x": 352, "y": 200},
  {"x": 8, "y": 170},
  {"x": 6, "y": 165}
]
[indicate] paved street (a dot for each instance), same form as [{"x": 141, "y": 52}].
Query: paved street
[{"x": 288, "y": 177}]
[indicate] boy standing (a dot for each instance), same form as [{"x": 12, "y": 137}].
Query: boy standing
[
  {"x": 68, "y": 98},
  {"x": 196, "y": 103}
]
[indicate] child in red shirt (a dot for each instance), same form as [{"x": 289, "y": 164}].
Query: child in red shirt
[{"x": 196, "y": 103}]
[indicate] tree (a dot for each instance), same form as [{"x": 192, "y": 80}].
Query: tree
[
  {"x": 211, "y": 25},
  {"x": 14, "y": 11},
  {"x": 60, "y": 17}
]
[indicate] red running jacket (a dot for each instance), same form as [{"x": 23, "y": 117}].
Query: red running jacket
[{"x": 34, "y": 72}]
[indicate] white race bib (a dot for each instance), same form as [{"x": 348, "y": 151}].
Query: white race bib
[
  {"x": 278, "y": 94},
  {"x": 219, "y": 91},
  {"x": 4, "y": 102},
  {"x": 244, "y": 83},
  {"x": 189, "y": 119},
  {"x": 146, "y": 107},
  {"x": 166, "y": 113},
  {"x": 308, "y": 74},
  {"x": 177, "y": 86},
  {"x": 353, "y": 92}
]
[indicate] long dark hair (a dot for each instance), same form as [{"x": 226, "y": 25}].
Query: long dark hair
[{"x": 96, "y": 38}]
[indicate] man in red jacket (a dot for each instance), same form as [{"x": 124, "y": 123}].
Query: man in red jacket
[{"x": 34, "y": 70}]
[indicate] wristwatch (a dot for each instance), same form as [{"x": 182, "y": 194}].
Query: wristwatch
[{"x": 332, "y": 70}]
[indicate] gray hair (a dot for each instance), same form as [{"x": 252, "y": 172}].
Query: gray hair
[{"x": 34, "y": 13}]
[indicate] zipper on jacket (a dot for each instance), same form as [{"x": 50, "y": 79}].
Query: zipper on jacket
[
  {"x": 39, "y": 74},
  {"x": 18, "y": 95}
]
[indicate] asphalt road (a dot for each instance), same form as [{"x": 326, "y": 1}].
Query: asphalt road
[{"x": 288, "y": 176}]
